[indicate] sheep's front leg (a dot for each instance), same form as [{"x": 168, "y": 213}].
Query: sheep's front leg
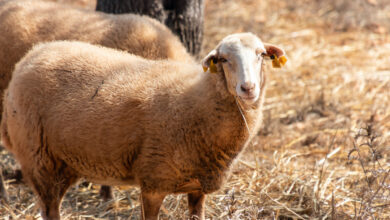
[
  {"x": 150, "y": 205},
  {"x": 196, "y": 202}
]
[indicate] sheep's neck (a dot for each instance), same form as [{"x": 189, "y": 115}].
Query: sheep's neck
[
  {"x": 217, "y": 95},
  {"x": 226, "y": 131}
]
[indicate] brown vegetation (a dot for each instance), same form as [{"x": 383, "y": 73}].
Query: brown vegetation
[{"x": 324, "y": 150}]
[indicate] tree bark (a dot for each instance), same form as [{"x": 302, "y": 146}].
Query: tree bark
[{"x": 183, "y": 17}]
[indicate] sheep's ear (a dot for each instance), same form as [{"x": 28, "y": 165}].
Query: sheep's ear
[
  {"x": 276, "y": 54},
  {"x": 209, "y": 62}
]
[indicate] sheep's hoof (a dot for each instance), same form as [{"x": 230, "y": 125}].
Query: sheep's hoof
[{"x": 106, "y": 193}]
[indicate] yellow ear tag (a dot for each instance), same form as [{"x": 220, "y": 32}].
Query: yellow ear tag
[
  {"x": 205, "y": 68},
  {"x": 213, "y": 67},
  {"x": 283, "y": 60},
  {"x": 278, "y": 62}
]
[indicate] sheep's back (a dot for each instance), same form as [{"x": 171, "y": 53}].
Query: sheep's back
[{"x": 25, "y": 23}]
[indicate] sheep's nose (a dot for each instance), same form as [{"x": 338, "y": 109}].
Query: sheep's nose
[{"x": 248, "y": 87}]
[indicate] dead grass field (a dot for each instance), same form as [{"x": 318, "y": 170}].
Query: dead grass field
[{"x": 324, "y": 150}]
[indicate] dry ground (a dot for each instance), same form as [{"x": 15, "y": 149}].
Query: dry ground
[{"x": 324, "y": 150}]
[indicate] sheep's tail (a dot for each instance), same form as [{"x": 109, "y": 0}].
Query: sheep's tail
[{"x": 6, "y": 142}]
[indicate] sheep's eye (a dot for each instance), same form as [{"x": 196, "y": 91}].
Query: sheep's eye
[
  {"x": 261, "y": 55},
  {"x": 223, "y": 60}
]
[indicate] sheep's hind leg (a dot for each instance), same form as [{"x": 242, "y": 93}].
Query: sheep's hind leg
[
  {"x": 49, "y": 186},
  {"x": 150, "y": 205},
  {"x": 196, "y": 201}
]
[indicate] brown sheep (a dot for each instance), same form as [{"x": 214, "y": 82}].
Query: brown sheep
[
  {"x": 74, "y": 110},
  {"x": 25, "y": 23}
]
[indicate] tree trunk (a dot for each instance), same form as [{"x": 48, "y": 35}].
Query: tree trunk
[{"x": 183, "y": 17}]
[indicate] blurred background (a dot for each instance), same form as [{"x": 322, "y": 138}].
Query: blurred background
[{"x": 324, "y": 149}]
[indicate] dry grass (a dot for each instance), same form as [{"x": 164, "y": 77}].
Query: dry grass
[{"x": 324, "y": 150}]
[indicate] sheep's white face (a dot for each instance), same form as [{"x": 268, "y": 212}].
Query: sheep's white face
[{"x": 240, "y": 58}]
